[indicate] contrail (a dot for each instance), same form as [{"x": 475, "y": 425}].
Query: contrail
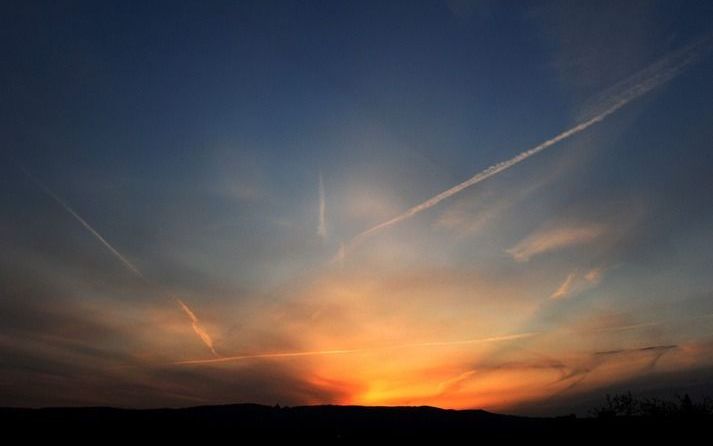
[
  {"x": 268, "y": 355},
  {"x": 492, "y": 339},
  {"x": 83, "y": 222},
  {"x": 628, "y": 327},
  {"x": 356, "y": 350},
  {"x": 195, "y": 323},
  {"x": 130, "y": 266},
  {"x": 511, "y": 337},
  {"x": 634, "y": 87},
  {"x": 322, "y": 227}
]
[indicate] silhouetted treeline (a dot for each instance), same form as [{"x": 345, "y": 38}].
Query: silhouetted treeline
[{"x": 628, "y": 405}]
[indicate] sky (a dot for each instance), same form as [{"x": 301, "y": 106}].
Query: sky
[{"x": 465, "y": 204}]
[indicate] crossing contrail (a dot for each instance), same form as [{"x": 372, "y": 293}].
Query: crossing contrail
[
  {"x": 202, "y": 334},
  {"x": 447, "y": 343},
  {"x": 504, "y": 338},
  {"x": 632, "y": 88},
  {"x": 268, "y": 356}
]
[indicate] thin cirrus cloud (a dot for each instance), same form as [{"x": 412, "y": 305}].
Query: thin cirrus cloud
[
  {"x": 565, "y": 287},
  {"x": 492, "y": 339},
  {"x": 577, "y": 282},
  {"x": 645, "y": 358},
  {"x": 554, "y": 239},
  {"x": 197, "y": 328},
  {"x": 570, "y": 374},
  {"x": 465, "y": 219},
  {"x": 469, "y": 216}
]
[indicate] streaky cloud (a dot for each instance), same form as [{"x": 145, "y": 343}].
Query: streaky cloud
[
  {"x": 652, "y": 348},
  {"x": 565, "y": 287},
  {"x": 268, "y": 356},
  {"x": 197, "y": 328},
  {"x": 544, "y": 241},
  {"x": 279, "y": 355},
  {"x": 634, "y": 87},
  {"x": 475, "y": 341},
  {"x": 454, "y": 383},
  {"x": 597, "y": 359},
  {"x": 629, "y": 327},
  {"x": 577, "y": 282}
]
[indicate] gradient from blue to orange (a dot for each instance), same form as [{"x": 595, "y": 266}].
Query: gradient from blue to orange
[{"x": 229, "y": 152}]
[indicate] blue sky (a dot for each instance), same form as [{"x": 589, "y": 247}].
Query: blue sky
[{"x": 191, "y": 137}]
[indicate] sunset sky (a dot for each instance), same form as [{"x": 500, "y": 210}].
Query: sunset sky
[{"x": 464, "y": 204}]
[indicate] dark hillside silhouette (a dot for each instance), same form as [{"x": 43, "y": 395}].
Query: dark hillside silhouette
[{"x": 623, "y": 416}]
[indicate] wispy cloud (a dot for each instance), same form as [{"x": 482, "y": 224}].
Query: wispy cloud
[
  {"x": 553, "y": 376},
  {"x": 636, "y": 86},
  {"x": 453, "y": 384},
  {"x": 464, "y": 219},
  {"x": 578, "y": 374},
  {"x": 472, "y": 215},
  {"x": 650, "y": 349},
  {"x": 565, "y": 287},
  {"x": 577, "y": 282},
  {"x": 627, "y": 327},
  {"x": 195, "y": 323},
  {"x": 594, "y": 275},
  {"x": 269, "y": 356},
  {"x": 655, "y": 352},
  {"x": 322, "y": 226},
  {"x": 475, "y": 341},
  {"x": 547, "y": 240}
]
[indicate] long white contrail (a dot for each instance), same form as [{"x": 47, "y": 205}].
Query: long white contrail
[
  {"x": 84, "y": 223},
  {"x": 447, "y": 343},
  {"x": 637, "y": 85},
  {"x": 279, "y": 355},
  {"x": 267, "y": 356},
  {"x": 195, "y": 323},
  {"x": 322, "y": 226}
]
